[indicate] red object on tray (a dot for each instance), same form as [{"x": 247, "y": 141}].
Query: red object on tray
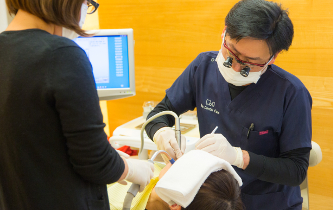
[{"x": 128, "y": 150}]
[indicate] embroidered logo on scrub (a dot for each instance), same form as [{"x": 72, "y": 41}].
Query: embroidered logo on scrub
[
  {"x": 210, "y": 103},
  {"x": 263, "y": 132},
  {"x": 210, "y": 106}
]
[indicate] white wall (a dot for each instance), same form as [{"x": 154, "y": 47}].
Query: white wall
[{"x": 3, "y": 16}]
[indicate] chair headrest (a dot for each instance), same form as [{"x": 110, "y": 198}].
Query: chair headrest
[{"x": 315, "y": 154}]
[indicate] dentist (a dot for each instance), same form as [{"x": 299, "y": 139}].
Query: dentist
[{"x": 263, "y": 112}]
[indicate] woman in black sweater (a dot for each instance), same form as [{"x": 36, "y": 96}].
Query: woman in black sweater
[{"x": 54, "y": 153}]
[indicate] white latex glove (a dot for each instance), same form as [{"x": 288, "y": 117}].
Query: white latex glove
[
  {"x": 126, "y": 156},
  {"x": 218, "y": 145},
  {"x": 165, "y": 139},
  {"x": 123, "y": 154},
  {"x": 139, "y": 172}
]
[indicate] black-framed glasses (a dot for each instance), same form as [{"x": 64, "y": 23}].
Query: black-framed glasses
[{"x": 92, "y": 6}]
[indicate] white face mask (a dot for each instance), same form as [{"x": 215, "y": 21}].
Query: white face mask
[
  {"x": 71, "y": 34},
  {"x": 235, "y": 77}
]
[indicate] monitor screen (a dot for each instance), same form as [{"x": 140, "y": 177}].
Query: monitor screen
[{"x": 111, "y": 53}]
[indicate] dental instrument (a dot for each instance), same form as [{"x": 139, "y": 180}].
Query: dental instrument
[
  {"x": 214, "y": 129},
  {"x": 164, "y": 152},
  {"x": 177, "y": 129},
  {"x": 134, "y": 189}
]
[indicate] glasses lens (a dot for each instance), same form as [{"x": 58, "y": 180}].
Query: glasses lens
[
  {"x": 91, "y": 9},
  {"x": 92, "y": 6}
]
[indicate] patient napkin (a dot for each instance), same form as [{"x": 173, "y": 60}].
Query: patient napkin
[{"x": 183, "y": 180}]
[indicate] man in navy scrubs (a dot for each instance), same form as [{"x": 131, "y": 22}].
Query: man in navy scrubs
[{"x": 263, "y": 113}]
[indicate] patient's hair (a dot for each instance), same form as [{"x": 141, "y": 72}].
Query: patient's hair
[{"x": 220, "y": 191}]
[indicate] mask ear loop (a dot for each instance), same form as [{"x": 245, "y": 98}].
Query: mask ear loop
[{"x": 265, "y": 67}]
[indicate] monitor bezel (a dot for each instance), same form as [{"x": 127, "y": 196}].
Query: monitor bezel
[{"x": 117, "y": 93}]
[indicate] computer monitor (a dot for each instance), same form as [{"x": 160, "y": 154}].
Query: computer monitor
[{"x": 111, "y": 53}]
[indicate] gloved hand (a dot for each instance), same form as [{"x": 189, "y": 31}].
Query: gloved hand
[
  {"x": 139, "y": 172},
  {"x": 165, "y": 139},
  {"x": 123, "y": 155},
  {"x": 218, "y": 145}
]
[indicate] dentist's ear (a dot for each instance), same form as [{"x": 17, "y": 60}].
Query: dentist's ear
[
  {"x": 175, "y": 207},
  {"x": 225, "y": 28},
  {"x": 273, "y": 59}
]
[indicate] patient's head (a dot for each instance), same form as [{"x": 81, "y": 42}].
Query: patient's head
[{"x": 220, "y": 191}]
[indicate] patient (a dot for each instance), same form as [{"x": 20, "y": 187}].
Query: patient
[{"x": 220, "y": 191}]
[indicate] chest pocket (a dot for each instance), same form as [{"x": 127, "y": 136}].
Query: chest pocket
[{"x": 260, "y": 142}]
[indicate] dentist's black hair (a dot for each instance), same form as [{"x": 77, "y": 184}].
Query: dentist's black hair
[{"x": 262, "y": 20}]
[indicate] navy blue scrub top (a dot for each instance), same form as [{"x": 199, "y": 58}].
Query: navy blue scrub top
[{"x": 279, "y": 106}]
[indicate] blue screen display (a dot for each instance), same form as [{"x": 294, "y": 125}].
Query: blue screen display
[{"x": 109, "y": 58}]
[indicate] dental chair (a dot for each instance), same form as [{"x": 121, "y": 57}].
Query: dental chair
[{"x": 315, "y": 158}]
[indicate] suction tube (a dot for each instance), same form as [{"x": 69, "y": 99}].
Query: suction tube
[{"x": 177, "y": 127}]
